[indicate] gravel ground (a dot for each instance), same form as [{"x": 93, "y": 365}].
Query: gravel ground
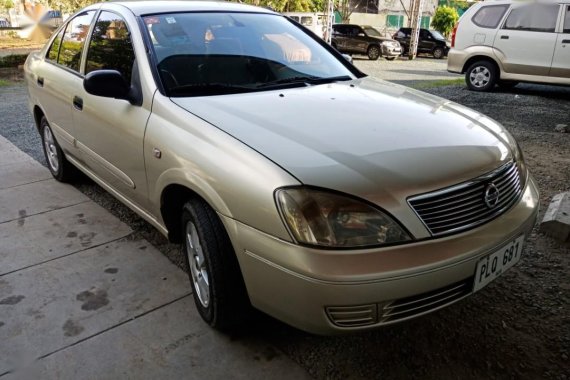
[{"x": 518, "y": 327}]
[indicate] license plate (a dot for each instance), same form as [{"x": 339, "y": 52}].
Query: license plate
[{"x": 495, "y": 264}]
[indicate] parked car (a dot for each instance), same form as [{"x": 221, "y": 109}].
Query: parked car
[
  {"x": 429, "y": 42},
  {"x": 274, "y": 170},
  {"x": 4, "y": 23},
  {"x": 356, "y": 39},
  {"x": 506, "y": 42}
]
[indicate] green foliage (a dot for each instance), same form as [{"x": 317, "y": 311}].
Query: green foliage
[
  {"x": 69, "y": 6},
  {"x": 445, "y": 19},
  {"x": 14, "y": 60},
  {"x": 7, "y": 4},
  {"x": 286, "y": 5}
]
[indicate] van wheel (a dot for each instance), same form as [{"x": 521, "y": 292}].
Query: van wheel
[
  {"x": 61, "y": 169},
  {"x": 374, "y": 52},
  {"x": 217, "y": 285},
  {"x": 438, "y": 53},
  {"x": 481, "y": 76}
]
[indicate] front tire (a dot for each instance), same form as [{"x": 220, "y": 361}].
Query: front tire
[
  {"x": 61, "y": 169},
  {"x": 374, "y": 52},
  {"x": 217, "y": 285},
  {"x": 481, "y": 76},
  {"x": 438, "y": 53}
]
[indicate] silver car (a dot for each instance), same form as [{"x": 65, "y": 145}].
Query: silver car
[{"x": 262, "y": 150}]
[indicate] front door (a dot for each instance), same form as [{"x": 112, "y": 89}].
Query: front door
[
  {"x": 110, "y": 132},
  {"x": 526, "y": 41},
  {"x": 561, "y": 60}
]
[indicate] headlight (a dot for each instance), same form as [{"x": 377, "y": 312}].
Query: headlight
[{"x": 321, "y": 218}]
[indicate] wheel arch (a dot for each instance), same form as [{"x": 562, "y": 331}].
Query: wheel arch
[
  {"x": 480, "y": 57},
  {"x": 38, "y": 114}
]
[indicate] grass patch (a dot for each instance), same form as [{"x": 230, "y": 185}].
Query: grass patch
[
  {"x": 4, "y": 83},
  {"x": 439, "y": 83}
]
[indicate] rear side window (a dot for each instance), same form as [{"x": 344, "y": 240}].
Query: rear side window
[
  {"x": 110, "y": 47},
  {"x": 53, "y": 51},
  {"x": 533, "y": 18},
  {"x": 74, "y": 39},
  {"x": 567, "y": 20},
  {"x": 489, "y": 16}
]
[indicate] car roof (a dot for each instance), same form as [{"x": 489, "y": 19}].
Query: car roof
[{"x": 168, "y": 6}]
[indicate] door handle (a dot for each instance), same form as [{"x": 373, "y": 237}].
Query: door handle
[
  {"x": 40, "y": 81},
  {"x": 78, "y": 103},
  {"x": 566, "y": 41},
  {"x": 504, "y": 37}
]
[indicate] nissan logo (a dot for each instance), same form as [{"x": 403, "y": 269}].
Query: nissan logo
[{"x": 491, "y": 195}]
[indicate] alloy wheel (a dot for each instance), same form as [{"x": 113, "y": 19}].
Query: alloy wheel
[
  {"x": 51, "y": 150},
  {"x": 198, "y": 268}
]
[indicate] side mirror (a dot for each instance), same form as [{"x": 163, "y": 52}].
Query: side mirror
[
  {"x": 347, "y": 57},
  {"x": 108, "y": 84}
]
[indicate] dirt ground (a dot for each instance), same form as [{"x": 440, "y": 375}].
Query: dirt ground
[{"x": 516, "y": 328}]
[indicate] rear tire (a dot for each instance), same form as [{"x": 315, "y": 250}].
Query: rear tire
[
  {"x": 374, "y": 52},
  {"x": 481, "y": 76},
  {"x": 61, "y": 169},
  {"x": 215, "y": 276}
]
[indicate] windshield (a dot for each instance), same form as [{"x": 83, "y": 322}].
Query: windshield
[
  {"x": 437, "y": 35},
  {"x": 370, "y": 31},
  {"x": 220, "y": 53}
]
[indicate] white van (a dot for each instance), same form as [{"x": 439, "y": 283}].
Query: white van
[
  {"x": 506, "y": 42},
  {"x": 316, "y": 22}
]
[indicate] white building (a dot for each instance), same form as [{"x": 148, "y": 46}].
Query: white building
[{"x": 388, "y": 15}]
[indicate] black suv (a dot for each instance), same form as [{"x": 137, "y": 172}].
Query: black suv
[
  {"x": 356, "y": 39},
  {"x": 430, "y": 42}
]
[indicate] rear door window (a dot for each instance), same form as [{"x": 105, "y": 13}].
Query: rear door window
[
  {"x": 533, "y": 18},
  {"x": 53, "y": 51},
  {"x": 74, "y": 39},
  {"x": 489, "y": 16}
]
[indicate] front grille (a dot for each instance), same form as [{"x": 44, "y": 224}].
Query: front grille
[
  {"x": 463, "y": 206},
  {"x": 426, "y": 302}
]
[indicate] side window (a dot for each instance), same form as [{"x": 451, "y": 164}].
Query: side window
[
  {"x": 110, "y": 47},
  {"x": 74, "y": 39},
  {"x": 53, "y": 51},
  {"x": 489, "y": 16},
  {"x": 424, "y": 34},
  {"x": 533, "y": 18},
  {"x": 567, "y": 20}
]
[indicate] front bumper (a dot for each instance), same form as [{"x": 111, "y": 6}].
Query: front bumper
[
  {"x": 391, "y": 51},
  {"x": 308, "y": 288}
]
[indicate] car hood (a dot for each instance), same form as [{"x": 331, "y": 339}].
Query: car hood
[{"x": 365, "y": 137}]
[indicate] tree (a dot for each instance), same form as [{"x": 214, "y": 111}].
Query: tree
[
  {"x": 445, "y": 19},
  {"x": 284, "y": 5},
  {"x": 345, "y": 8}
]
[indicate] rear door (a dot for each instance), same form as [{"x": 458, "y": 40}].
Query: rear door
[
  {"x": 525, "y": 43},
  {"x": 58, "y": 74},
  {"x": 561, "y": 60}
]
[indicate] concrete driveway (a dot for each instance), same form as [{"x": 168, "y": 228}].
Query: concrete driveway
[{"x": 80, "y": 297}]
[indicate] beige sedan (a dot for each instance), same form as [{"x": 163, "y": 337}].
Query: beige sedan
[{"x": 296, "y": 184}]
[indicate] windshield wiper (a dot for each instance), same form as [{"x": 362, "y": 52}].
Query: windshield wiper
[
  {"x": 208, "y": 89},
  {"x": 303, "y": 81}
]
